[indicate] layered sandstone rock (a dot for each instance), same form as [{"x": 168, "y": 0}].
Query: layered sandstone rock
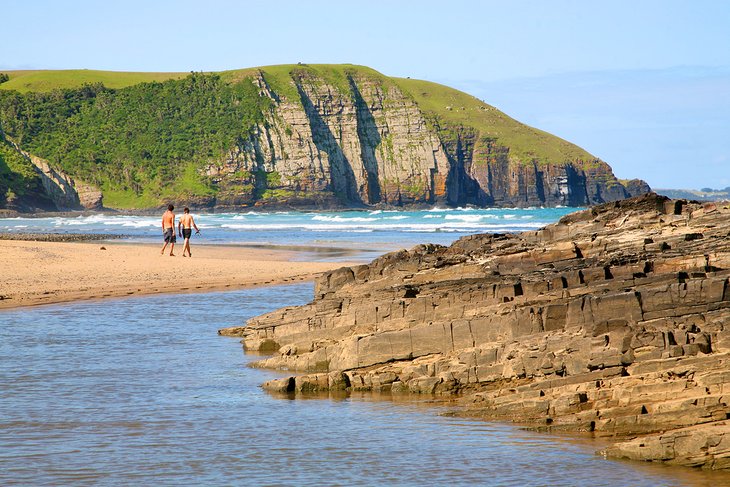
[{"x": 615, "y": 320}]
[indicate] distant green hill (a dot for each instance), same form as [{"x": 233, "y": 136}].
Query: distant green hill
[{"x": 144, "y": 138}]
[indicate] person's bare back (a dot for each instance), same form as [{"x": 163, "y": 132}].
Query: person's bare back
[
  {"x": 186, "y": 220},
  {"x": 168, "y": 220}
]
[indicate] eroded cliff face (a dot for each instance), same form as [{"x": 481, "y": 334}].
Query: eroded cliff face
[
  {"x": 482, "y": 173},
  {"x": 365, "y": 142},
  {"x": 616, "y": 320},
  {"x": 368, "y": 147},
  {"x": 57, "y": 190}
]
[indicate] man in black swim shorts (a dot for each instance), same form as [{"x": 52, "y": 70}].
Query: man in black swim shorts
[{"x": 185, "y": 227}]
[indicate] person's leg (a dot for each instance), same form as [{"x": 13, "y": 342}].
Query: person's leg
[
  {"x": 187, "y": 246},
  {"x": 172, "y": 247},
  {"x": 162, "y": 252}
]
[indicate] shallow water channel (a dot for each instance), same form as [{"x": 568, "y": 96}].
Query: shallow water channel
[{"x": 142, "y": 391}]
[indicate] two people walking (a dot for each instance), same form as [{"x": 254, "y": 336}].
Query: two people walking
[{"x": 184, "y": 227}]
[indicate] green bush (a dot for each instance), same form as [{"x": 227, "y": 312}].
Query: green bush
[{"x": 18, "y": 176}]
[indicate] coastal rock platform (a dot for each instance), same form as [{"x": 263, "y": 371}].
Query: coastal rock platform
[{"x": 614, "y": 321}]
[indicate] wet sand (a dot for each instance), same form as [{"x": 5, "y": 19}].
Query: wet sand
[{"x": 35, "y": 273}]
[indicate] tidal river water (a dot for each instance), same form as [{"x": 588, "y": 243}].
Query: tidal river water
[{"x": 142, "y": 391}]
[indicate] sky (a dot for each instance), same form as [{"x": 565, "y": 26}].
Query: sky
[{"x": 643, "y": 85}]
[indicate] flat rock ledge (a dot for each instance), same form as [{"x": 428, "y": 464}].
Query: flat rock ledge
[{"x": 615, "y": 321}]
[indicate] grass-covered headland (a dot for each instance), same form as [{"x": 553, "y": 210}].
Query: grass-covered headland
[{"x": 143, "y": 138}]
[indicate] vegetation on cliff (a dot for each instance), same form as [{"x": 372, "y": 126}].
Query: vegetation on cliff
[
  {"x": 43, "y": 80},
  {"x": 452, "y": 110},
  {"x": 18, "y": 177}
]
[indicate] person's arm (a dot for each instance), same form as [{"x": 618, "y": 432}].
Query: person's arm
[
  {"x": 179, "y": 227},
  {"x": 192, "y": 220},
  {"x": 163, "y": 223}
]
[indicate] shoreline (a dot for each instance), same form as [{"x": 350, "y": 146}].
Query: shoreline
[{"x": 40, "y": 272}]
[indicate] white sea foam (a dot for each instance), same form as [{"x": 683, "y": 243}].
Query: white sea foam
[
  {"x": 303, "y": 226},
  {"x": 338, "y": 218},
  {"x": 465, "y": 218},
  {"x": 134, "y": 224},
  {"x": 408, "y": 227}
]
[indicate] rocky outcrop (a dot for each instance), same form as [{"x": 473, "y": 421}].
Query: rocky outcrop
[
  {"x": 360, "y": 140},
  {"x": 483, "y": 173},
  {"x": 63, "y": 191},
  {"x": 616, "y": 321}
]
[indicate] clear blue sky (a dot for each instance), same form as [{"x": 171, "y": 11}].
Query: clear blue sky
[{"x": 644, "y": 85}]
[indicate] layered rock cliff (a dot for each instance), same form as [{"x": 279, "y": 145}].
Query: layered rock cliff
[
  {"x": 362, "y": 139},
  {"x": 364, "y": 146},
  {"x": 615, "y": 321}
]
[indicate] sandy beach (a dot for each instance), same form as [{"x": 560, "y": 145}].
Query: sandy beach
[{"x": 51, "y": 272}]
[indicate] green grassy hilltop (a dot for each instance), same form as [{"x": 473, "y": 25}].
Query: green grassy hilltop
[{"x": 49, "y": 80}]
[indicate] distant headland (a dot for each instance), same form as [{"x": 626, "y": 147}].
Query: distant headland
[{"x": 295, "y": 136}]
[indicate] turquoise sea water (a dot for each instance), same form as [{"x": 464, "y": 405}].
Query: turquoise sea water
[
  {"x": 142, "y": 391},
  {"x": 370, "y": 233}
]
